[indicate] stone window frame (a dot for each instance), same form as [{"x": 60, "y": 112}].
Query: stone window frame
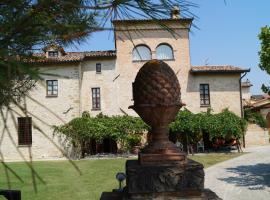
[
  {"x": 96, "y": 98},
  {"x": 24, "y": 131},
  {"x": 205, "y": 95},
  {"x": 141, "y": 60},
  {"x": 53, "y": 54},
  {"x": 98, "y": 68},
  {"x": 50, "y": 93},
  {"x": 168, "y": 45}
]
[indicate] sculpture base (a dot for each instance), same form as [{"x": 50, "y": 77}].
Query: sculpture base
[
  {"x": 164, "y": 178},
  {"x": 204, "y": 195},
  {"x": 163, "y": 182},
  {"x": 159, "y": 159}
]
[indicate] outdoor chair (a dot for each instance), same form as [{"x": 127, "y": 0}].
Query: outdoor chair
[
  {"x": 200, "y": 145},
  {"x": 179, "y": 145}
]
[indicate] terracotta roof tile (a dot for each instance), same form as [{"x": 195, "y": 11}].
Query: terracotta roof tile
[
  {"x": 218, "y": 69},
  {"x": 72, "y": 56},
  {"x": 110, "y": 53}
]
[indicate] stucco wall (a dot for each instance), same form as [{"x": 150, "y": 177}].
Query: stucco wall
[
  {"x": 224, "y": 92},
  {"x": 45, "y": 112}
]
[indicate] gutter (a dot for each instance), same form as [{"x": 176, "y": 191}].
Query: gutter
[
  {"x": 80, "y": 89},
  {"x": 218, "y": 71}
]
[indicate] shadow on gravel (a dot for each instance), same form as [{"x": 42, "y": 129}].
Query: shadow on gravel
[{"x": 254, "y": 177}]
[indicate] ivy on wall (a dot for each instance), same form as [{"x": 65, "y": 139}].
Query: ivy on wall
[{"x": 255, "y": 117}]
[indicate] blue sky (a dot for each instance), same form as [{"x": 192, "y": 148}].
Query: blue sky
[{"x": 227, "y": 35}]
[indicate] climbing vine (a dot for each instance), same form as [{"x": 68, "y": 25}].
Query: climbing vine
[
  {"x": 225, "y": 124},
  {"x": 125, "y": 130}
]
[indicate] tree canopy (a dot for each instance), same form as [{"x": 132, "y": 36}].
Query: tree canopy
[
  {"x": 264, "y": 54},
  {"x": 26, "y": 26}
]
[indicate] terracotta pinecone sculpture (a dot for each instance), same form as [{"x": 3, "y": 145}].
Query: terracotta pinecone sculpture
[{"x": 156, "y": 84}]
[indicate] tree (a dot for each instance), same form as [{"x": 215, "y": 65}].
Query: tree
[
  {"x": 264, "y": 54},
  {"x": 28, "y": 25}
]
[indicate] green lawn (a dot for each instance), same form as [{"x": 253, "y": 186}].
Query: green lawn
[{"x": 62, "y": 180}]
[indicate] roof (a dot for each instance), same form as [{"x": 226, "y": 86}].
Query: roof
[
  {"x": 73, "y": 56},
  {"x": 259, "y": 97},
  {"x": 261, "y": 103},
  {"x": 217, "y": 69}
]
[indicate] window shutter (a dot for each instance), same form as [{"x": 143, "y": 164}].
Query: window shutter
[{"x": 25, "y": 130}]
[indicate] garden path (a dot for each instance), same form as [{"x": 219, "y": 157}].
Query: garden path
[{"x": 243, "y": 178}]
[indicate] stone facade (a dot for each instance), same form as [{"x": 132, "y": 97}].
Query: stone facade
[
  {"x": 151, "y": 35},
  {"x": 224, "y": 92},
  {"x": 77, "y": 76},
  {"x": 45, "y": 112}
]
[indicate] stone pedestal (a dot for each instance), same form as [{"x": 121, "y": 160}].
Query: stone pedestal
[
  {"x": 163, "y": 182},
  {"x": 205, "y": 195},
  {"x": 164, "y": 178}
]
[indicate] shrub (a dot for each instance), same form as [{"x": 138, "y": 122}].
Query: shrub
[
  {"x": 126, "y": 130},
  {"x": 254, "y": 117},
  {"x": 225, "y": 124}
]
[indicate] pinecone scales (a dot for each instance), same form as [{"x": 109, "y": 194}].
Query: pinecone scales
[{"x": 156, "y": 84}]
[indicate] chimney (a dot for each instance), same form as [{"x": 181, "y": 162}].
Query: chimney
[{"x": 175, "y": 12}]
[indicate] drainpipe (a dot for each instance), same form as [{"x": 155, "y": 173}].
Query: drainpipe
[
  {"x": 80, "y": 89},
  {"x": 241, "y": 102}
]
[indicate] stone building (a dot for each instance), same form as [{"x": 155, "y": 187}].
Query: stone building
[
  {"x": 101, "y": 81},
  {"x": 246, "y": 93}
]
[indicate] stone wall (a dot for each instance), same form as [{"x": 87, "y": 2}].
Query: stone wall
[
  {"x": 45, "y": 112},
  {"x": 106, "y": 81},
  {"x": 152, "y": 36},
  {"x": 224, "y": 92}
]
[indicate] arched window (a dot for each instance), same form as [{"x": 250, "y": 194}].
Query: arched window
[
  {"x": 141, "y": 52},
  {"x": 164, "y": 52}
]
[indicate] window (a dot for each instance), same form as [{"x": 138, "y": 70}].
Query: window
[
  {"x": 164, "y": 52},
  {"x": 52, "y": 88},
  {"x": 98, "y": 68},
  {"x": 204, "y": 94},
  {"x": 141, "y": 53},
  {"x": 96, "y": 98},
  {"x": 24, "y": 130},
  {"x": 53, "y": 54}
]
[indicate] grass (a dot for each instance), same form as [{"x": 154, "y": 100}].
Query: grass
[
  {"x": 213, "y": 158},
  {"x": 62, "y": 180}
]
